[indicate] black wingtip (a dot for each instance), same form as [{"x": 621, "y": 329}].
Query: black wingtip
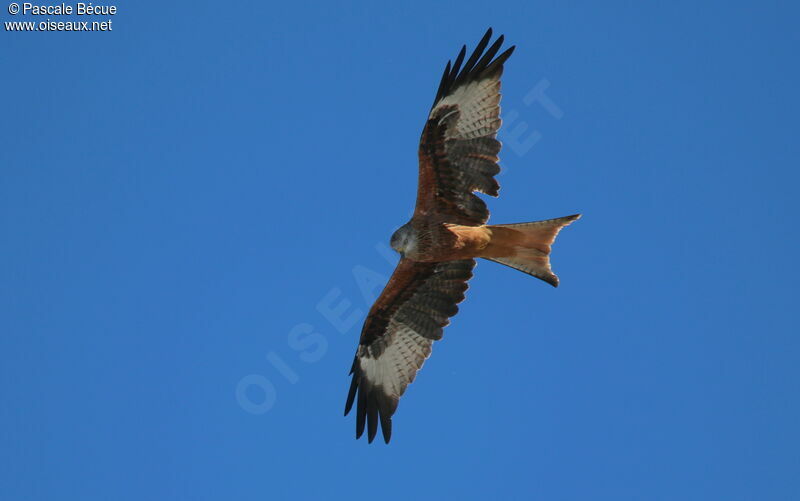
[
  {"x": 361, "y": 412},
  {"x": 459, "y": 60},
  {"x": 500, "y": 60},
  {"x": 351, "y": 394},
  {"x": 372, "y": 418},
  {"x": 350, "y": 397},
  {"x": 480, "y": 62},
  {"x": 359, "y": 427},
  {"x": 374, "y": 408},
  {"x": 386, "y": 428}
]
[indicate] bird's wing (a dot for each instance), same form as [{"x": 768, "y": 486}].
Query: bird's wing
[
  {"x": 458, "y": 150},
  {"x": 407, "y": 318}
]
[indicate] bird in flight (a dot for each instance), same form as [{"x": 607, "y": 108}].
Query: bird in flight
[{"x": 438, "y": 246}]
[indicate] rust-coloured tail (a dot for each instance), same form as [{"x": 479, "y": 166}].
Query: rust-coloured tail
[{"x": 526, "y": 246}]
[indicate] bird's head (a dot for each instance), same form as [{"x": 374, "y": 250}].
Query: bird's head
[{"x": 404, "y": 239}]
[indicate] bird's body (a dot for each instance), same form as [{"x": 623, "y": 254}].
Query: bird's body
[
  {"x": 448, "y": 231},
  {"x": 425, "y": 242}
]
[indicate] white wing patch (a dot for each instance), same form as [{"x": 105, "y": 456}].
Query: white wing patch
[
  {"x": 397, "y": 366},
  {"x": 479, "y": 105}
]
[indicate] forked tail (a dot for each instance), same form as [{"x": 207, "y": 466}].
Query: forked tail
[{"x": 526, "y": 246}]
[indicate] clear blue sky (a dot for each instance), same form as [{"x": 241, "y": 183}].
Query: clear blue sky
[{"x": 185, "y": 199}]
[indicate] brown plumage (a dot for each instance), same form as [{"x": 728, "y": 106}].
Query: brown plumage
[{"x": 438, "y": 246}]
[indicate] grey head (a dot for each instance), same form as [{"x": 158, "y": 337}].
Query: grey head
[{"x": 404, "y": 240}]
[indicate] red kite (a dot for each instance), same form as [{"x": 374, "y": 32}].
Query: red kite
[{"x": 438, "y": 246}]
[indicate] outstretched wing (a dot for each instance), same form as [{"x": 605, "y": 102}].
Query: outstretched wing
[
  {"x": 458, "y": 150},
  {"x": 407, "y": 318}
]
